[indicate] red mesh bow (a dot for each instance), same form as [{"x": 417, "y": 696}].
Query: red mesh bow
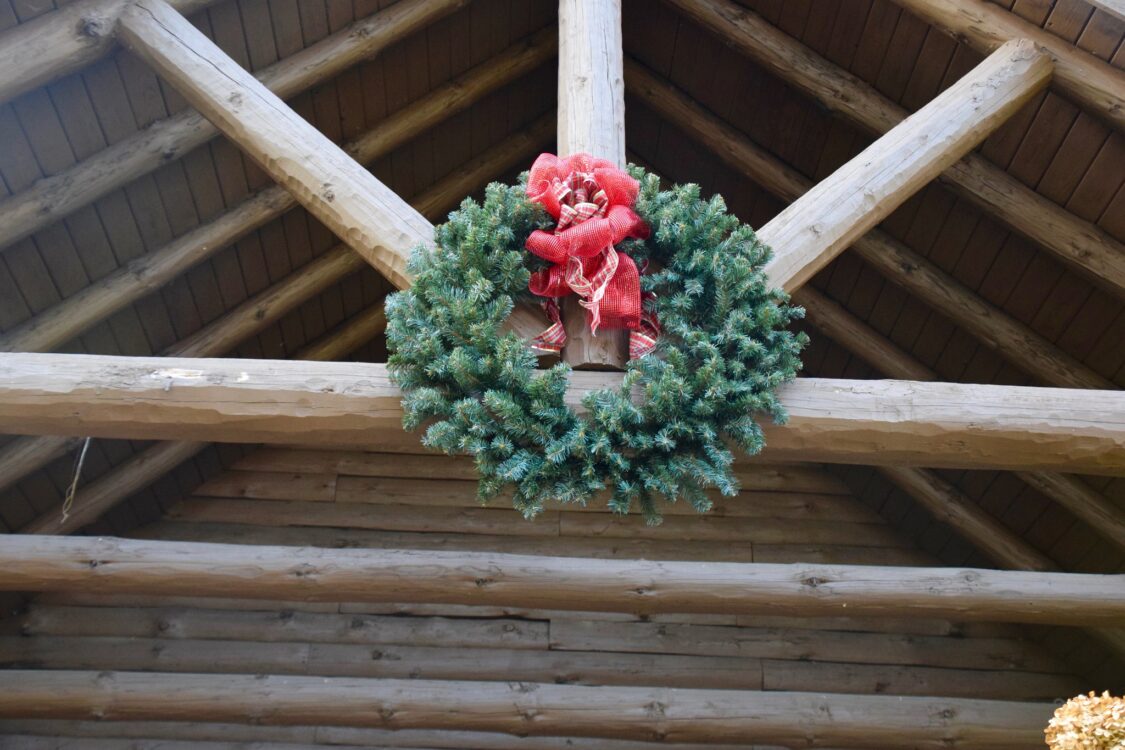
[{"x": 592, "y": 201}]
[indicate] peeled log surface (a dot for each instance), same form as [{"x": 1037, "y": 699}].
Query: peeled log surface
[
  {"x": 39, "y": 51},
  {"x": 122, "y": 566},
  {"x": 712, "y": 716},
  {"x": 984, "y": 26},
  {"x": 818, "y": 226},
  {"x": 1076, "y": 241},
  {"x": 336, "y": 189},
  {"x": 884, "y": 422},
  {"x": 591, "y": 119}
]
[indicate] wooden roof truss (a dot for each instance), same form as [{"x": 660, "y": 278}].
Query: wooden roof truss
[{"x": 189, "y": 399}]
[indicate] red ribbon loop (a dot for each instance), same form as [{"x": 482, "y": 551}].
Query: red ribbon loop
[{"x": 592, "y": 203}]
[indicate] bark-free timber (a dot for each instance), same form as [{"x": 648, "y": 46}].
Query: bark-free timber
[
  {"x": 828, "y": 218},
  {"x": 54, "y": 197},
  {"x": 59, "y": 324},
  {"x": 1082, "y": 244},
  {"x": 64, "y": 41},
  {"x": 883, "y": 422},
  {"x": 362, "y": 211},
  {"x": 251, "y": 317},
  {"x": 124, "y": 566},
  {"x": 591, "y": 119},
  {"x": 1091, "y": 82},
  {"x": 654, "y": 714},
  {"x": 1012, "y": 339}
]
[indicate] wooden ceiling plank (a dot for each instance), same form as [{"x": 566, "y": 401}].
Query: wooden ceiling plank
[
  {"x": 843, "y": 421},
  {"x": 840, "y": 209},
  {"x": 64, "y": 41},
  {"x": 1071, "y": 493},
  {"x": 591, "y": 119},
  {"x": 984, "y": 26},
  {"x": 54, "y": 197},
  {"x": 1080, "y": 243},
  {"x": 108, "y": 566},
  {"x": 59, "y": 324},
  {"x": 369, "y": 217},
  {"x": 251, "y": 317},
  {"x": 898, "y": 263}
]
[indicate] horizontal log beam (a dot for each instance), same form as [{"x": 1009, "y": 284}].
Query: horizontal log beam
[
  {"x": 1091, "y": 82},
  {"x": 881, "y": 422},
  {"x": 995, "y": 328},
  {"x": 843, "y": 207},
  {"x": 54, "y": 197},
  {"x": 798, "y": 720},
  {"x": 1082, "y": 244},
  {"x": 64, "y": 41},
  {"x": 253, "y": 316},
  {"x": 127, "y": 566}
]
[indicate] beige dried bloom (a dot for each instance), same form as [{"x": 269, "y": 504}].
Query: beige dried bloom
[{"x": 1088, "y": 723}]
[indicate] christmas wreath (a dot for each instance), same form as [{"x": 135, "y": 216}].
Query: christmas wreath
[{"x": 709, "y": 339}]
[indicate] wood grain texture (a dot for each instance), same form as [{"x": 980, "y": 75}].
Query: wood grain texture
[
  {"x": 121, "y": 566},
  {"x": 1091, "y": 82},
  {"x": 62, "y": 42},
  {"x": 591, "y": 119},
  {"x": 1080, "y": 243},
  {"x": 828, "y": 218},
  {"x": 711, "y": 716},
  {"x": 52, "y": 198},
  {"x": 923, "y": 279},
  {"x": 363, "y": 212},
  {"x": 882, "y": 422},
  {"x": 60, "y": 323}
]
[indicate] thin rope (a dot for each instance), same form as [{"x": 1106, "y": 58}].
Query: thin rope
[{"x": 68, "y": 503}]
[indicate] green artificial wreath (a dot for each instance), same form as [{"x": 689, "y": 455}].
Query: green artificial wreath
[{"x": 724, "y": 348}]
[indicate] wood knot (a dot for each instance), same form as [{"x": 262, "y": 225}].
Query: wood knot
[{"x": 812, "y": 581}]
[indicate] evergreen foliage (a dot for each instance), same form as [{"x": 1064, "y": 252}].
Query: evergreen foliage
[{"x": 724, "y": 348}]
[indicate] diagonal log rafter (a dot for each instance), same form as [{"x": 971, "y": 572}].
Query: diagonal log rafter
[
  {"x": 54, "y": 197},
  {"x": 984, "y": 26},
  {"x": 66, "y": 320},
  {"x": 1013, "y": 340},
  {"x": 944, "y": 501},
  {"x": 264, "y": 309},
  {"x": 1082, "y": 244},
  {"x": 64, "y": 41},
  {"x": 994, "y": 327}
]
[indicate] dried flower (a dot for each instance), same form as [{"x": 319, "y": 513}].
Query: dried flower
[{"x": 1088, "y": 723}]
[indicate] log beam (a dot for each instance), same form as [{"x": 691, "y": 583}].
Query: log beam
[
  {"x": 59, "y": 324},
  {"x": 1091, "y": 82},
  {"x": 333, "y": 187},
  {"x": 591, "y": 119},
  {"x": 127, "y": 566},
  {"x": 1081, "y": 244},
  {"x": 529, "y": 709},
  {"x": 37, "y": 52},
  {"x": 995, "y": 328},
  {"x": 52, "y": 198},
  {"x": 817, "y": 227},
  {"x": 254, "y": 315},
  {"x": 881, "y": 422},
  {"x": 948, "y": 505}
]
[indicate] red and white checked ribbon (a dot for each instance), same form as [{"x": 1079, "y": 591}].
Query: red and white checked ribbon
[{"x": 591, "y": 201}]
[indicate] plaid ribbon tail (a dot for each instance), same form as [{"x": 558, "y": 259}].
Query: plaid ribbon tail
[
  {"x": 642, "y": 340},
  {"x": 553, "y": 338}
]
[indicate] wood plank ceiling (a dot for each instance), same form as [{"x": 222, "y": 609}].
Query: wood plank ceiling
[{"x": 1066, "y": 155}]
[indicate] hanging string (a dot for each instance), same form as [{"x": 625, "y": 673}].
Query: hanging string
[{"x": 68, "y": 503}]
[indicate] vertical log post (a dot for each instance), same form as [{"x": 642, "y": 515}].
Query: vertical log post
[{"x": 591, "y": 119}]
